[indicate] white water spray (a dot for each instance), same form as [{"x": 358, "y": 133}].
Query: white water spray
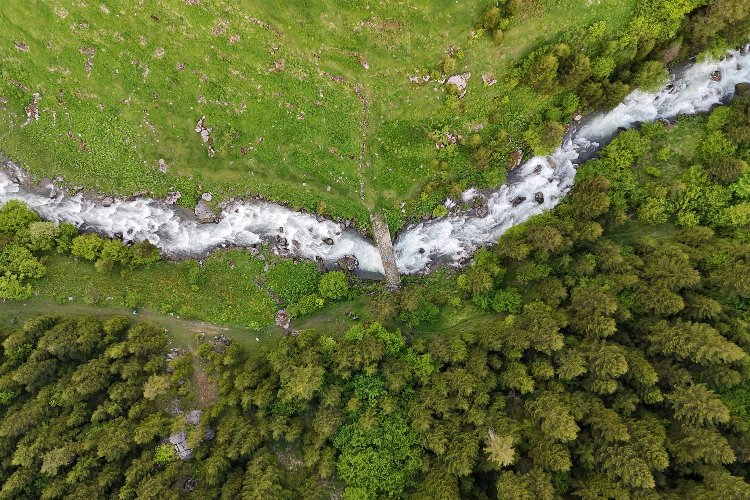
[{"x": 538, "y": 185}]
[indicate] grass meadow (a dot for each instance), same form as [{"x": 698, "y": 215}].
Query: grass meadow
[{"x": 290, "y": 91}]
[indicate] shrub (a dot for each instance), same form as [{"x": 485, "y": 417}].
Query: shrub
[
  {"x": 439, "y": 211},
  {"x": 145, "y": 252},
  {"x": 306, "y": 305},
  {"x": 15, "y": 215},
  {"x": 545, "y": 137},
  {"x": 65, "y": 235},
  {"x": 42, "y": 235},
  {"x": 334, "y": 285},
  {"x": 165, "y": 454},
  {"x": 87, "y": 246}
]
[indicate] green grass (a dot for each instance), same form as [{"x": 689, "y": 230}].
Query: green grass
[
  {"x": 108, "y": 129},
  {"x": 216, "y": 293}
]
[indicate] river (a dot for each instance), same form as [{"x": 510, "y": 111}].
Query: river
[{"x": 536, "y": 186}]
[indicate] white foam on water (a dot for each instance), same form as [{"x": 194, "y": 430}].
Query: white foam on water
[
  {"x": 448, "y": 240},
  {"x": 455, "y": 238},
  {"x": 178, "y": 235}
]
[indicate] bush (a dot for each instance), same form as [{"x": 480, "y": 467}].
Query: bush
[
  {"x": 42, "y": 235},
  {"x": 87, "y": 246},
  {"x": 545, "y": 137},
  {"x": 334, "y": 285},
  {"x": 145, "y": 252},
  {"x": 165, "y": 454},
  {"x": 306, "y": 305},
  {"x": 65, "y": 235},
  {"x": 15, "y": 215}
]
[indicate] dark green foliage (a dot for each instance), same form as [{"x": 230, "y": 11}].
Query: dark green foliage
[{"x": 72, "y": 410}]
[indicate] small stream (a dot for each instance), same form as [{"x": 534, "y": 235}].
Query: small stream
[{"x": 536, "y": 186}]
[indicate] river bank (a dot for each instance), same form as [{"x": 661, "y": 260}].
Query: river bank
[{"x": 537, "y": 185}]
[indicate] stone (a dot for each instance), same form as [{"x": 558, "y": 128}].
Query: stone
[
  {"x": 328, "y": 241},
  {"x": 716, "y": 76},
  {"x": 489, "y": 79},
  {"x": 348, "y": 263},
  {"x": 179, "y": 442},
  {"x": 482, "y": 212},
  {"x": 108, "y": 201},
  {"x": 172, "y": 197},
  {"x": 460, "y": 82},
  {"x": 187, "y": 484},
  {"x": 539, "y": 197},
  {"x": 742, "y": 89},
  {"x": 517, "y": 200},
  {"x": 207, "y": 197},
  {"x": 283, "y": 320},
  {"x": 209, "y": 434},
  {"x": 193, "y": 417},
  {"x": 516, "y": 157},
  {"x": 204, "y": 214}
]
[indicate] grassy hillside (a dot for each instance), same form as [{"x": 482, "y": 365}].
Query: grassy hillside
[{"x": 303, "y": 102}]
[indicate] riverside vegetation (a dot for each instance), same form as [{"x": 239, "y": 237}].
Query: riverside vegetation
[
  {"x": 600, "y": 350},
  {"x": 305, "y": 102}
]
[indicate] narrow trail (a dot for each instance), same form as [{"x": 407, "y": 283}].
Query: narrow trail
[
  {"x": 362, "y": 162},
  {"x": 380, "y": 230}
]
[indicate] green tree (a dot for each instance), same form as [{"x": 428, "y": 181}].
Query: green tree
[{"x": 16, "y": 215}]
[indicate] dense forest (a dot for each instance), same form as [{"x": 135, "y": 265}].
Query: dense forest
[
  {"x": 610, "y": 361},
  {"x": 598, "y": 351},
  {"x": 614, "y": 363}
]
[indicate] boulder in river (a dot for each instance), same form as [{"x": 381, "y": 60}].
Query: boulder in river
[
  {"x": 742, "y": 89},
  {"x": 348, "y": 263},
  {"x": 482, "y": 212},
  {"x": 204, "y": 213},
  {"x": 108, "y": 201},
  {"x": 517, "y": 200},
  {"x": 328, "y": 241},
  {"x": 716, "y": 76},
  {"x": 515, "y": 159},
  {"x": 539, "y": 197}
]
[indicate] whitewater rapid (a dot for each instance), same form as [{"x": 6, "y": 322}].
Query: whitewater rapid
[
  {"x": 455, "y": 238},
  {"x": 536, "y": 186}
]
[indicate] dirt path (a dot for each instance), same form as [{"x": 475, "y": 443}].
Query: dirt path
[
  {"x": 362, "y": 163},
  {"x": 380, "y": 230}
]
